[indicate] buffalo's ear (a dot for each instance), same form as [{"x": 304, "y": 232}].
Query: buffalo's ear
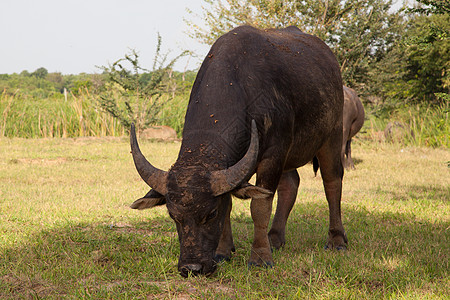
[
  {"x": 246, "y": 190},
  {"x": 151, "y": 199}
]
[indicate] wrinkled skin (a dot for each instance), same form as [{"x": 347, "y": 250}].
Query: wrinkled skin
[
  {"x": 197, "y": 232},
  {"x": 353, "y": 121},
  {"x": 264, "y": 101}
]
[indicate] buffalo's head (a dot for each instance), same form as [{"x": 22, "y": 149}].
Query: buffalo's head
[{"x": 197, "y": 200}]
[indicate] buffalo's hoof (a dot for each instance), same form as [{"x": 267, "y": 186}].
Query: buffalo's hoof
[
  {"x": 277, "y": 240},
  {"x": 276, "y": 246},
  {"x": 266, "y": 265},
  {"x": 220, "y": 258}
]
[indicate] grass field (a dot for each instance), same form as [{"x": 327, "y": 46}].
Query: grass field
[{"x": 67, "y": 231}]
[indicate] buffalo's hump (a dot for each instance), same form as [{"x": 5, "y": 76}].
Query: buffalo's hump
[{"x": 287, "y": 81}]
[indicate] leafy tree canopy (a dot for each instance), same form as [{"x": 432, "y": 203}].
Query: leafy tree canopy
[
  {"x": 389, "y": 56},
  {"x": 432, "y": 7},
  {"x": 40, "y": 73},
  {"x": 359, "y": 32}
]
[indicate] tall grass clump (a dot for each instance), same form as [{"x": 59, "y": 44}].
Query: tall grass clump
[
  {"x": 30, "y": 117},
  {"x": 430, "y": 125},
  {"x": 423, "y": 125}
]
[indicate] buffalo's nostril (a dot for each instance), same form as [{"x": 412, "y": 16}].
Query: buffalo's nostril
[{"x": 194, "y": 269}]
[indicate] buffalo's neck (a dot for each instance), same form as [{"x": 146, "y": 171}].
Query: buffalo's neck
[
  {"x": 217, "y": 126},
  {"x": 209, "y": 150}
]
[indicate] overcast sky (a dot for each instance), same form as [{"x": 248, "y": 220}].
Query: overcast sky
[{"x": 75, "y": 36}]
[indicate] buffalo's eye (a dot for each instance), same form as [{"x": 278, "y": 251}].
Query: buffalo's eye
[{"x": 212, "y": 215}]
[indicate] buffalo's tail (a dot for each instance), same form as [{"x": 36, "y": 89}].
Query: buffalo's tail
[{"x": 315, "y": 162}]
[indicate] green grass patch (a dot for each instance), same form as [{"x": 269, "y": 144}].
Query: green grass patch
[{"x": 67, "y": 230}]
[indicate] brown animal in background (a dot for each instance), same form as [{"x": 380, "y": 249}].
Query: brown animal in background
[
  {"x": 164, "y": 133},
  {"x": 398, "y": 132},
  {"x": 264, "y": 101},
  {"x": 353, "y": 120}
]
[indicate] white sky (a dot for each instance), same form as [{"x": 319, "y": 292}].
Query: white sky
[{"x": 75, "y": 36}]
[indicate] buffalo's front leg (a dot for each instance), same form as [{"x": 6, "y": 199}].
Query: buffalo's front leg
[
  {"x": 226, "y": 245},
  {"x": 268, "y": 175},
  {"x": 287, "y": 193},
  {"x": 261, "y": 254}
]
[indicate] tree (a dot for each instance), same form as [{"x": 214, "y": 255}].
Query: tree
[
  {"x": 432, "y": 7},
  {"x": 428, "y": 57},
  {"x": 40, "y": 73},
  {"x": 423, "y": 56},
  {"x": 134, "y": 94},
  {"x": 25, "y": 73},
  {"x": 417, "y": 69},
  {"x": 359, "y": 32},
  {"x": 57, "y": 80}
]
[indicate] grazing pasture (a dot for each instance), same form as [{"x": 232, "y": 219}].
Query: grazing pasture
[{"x": 66, "y": 229}]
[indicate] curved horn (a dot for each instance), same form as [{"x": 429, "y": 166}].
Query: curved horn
[
  {"x": 223, "y": 181},
  {"x": 154, "y": 177}
]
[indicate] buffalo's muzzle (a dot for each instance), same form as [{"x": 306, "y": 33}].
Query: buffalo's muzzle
[{"x": 195, "y": 270}]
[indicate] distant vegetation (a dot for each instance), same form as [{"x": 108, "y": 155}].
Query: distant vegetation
[
  {"x": 56, "y": 105},
  {"x": 397, "y": 60}
]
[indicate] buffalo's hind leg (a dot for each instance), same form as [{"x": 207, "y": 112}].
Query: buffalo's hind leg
[
  {"x": 350, "y": 163},
  {"x": 332, "y": 173},
  {"x": 287, "y": 193}
]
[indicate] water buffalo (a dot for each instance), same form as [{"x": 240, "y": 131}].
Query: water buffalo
[
  {"x": 353, "y": 121},
  {"x": 264, "y": 101}
]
